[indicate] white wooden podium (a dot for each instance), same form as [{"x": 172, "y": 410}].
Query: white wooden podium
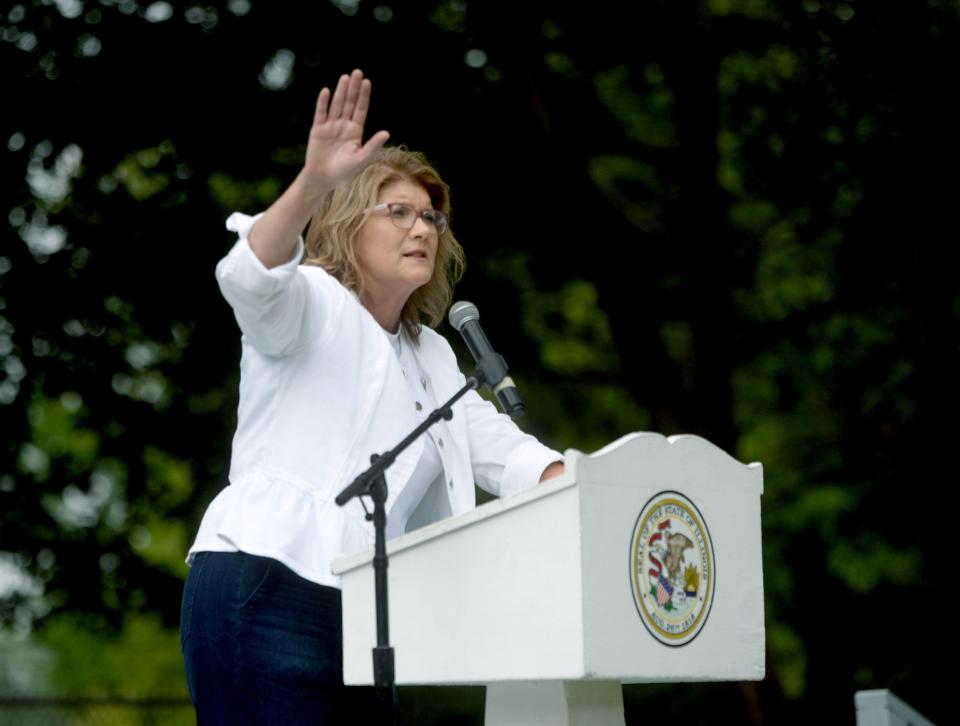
[{"x": 641, "y": 564}]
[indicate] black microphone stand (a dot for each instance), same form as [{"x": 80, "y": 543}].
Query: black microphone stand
[{"x": 373, "y": 483}]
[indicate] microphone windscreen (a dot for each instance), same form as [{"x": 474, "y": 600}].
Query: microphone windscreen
[{"x": 462, "y": 312}]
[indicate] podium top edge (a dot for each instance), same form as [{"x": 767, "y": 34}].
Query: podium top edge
[{"x": 674, "y": 440}]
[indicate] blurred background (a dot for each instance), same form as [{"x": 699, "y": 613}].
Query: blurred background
[{"x": 730, "y": 218}]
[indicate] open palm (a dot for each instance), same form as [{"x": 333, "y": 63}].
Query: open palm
[{"x": 335, "y": 149}]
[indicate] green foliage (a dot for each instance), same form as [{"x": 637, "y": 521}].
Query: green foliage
[
  {"x": 867, "y": 562},
  {"x": 585, "y": 417},
  {"x": 169, "y": 481},
  {"x": 232, "y": 195},
  {"x": 449, "y": 15},
  {"x": 632, "y": 186},
  {"x": 573, "y": 332},
  {"x": 561, "y": 63},
  {"x": 790, "y": 277},
  {"x": 755, "y": 9},
  {"x": 771, "y": 71},
  {"x": 162, "y": 542},
  {"x": 755, "y": 216},
  {"x": 645, "y": 112},
  {"x": 54, "y": 433},
  {"x": 138, "y": 174},
  {"x": 158, "y": 539},
  {"x": 140, "y": 660},
  {"x": 788, "y": 649}
]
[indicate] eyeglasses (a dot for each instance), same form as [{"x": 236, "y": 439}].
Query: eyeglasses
[{"x": 404, "y": 216}]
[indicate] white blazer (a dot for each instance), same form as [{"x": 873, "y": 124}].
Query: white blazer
[{"x": 321, "y": 390}]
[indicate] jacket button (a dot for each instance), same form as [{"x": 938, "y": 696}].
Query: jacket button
[
  {"x": 439, "y": 442},
  {"x": 450, "y": 483},
  {"x": 417, "y": 404}
]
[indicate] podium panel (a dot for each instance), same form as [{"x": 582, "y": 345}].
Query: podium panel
[
  {"x": 642, "y": 563},
  {"x": 482, "y": 606}
]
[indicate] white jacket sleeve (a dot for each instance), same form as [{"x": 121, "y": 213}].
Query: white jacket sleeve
[
  {"x": 278, "y": 310},
  {"x": 505, "y": 460}
]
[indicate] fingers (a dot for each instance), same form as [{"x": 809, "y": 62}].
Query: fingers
[
  {"x": 346, "y": 95},
  {"x": 323, "y": 100},
  {"x": 374, "y": 143},
  {"x": 350, "y": 100},
  {"x": 353, "y": 94},
  {"x": 339, "y": 97},
  {"x": 363, "y": 103}
]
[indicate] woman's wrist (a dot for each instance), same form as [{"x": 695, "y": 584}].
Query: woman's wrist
[{"x": 304, "y": 196}]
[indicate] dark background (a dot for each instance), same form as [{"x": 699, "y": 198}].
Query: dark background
[{"x": 731, "y": 218}]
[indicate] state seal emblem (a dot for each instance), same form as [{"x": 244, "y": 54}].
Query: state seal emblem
[{"x": 672, "y": 568}]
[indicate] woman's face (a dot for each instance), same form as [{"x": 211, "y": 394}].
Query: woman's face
[{"x": 395, "y": 261}]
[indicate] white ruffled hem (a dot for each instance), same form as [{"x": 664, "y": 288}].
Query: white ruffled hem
[{"x": 275, "y": 515}]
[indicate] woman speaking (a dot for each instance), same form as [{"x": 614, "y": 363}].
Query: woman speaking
[{"x": 339, "y": 361}]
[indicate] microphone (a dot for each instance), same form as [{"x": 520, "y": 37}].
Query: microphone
[{"x": 465, "y": 318}]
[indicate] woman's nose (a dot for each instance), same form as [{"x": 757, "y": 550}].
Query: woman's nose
[{"x": 421, "y": 228}]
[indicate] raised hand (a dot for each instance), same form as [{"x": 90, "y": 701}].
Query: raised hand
[
  {"x": 335, "y": 152},
  {"x": 335, "y": 149}
]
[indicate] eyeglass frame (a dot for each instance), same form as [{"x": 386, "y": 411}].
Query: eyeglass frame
[{"x": 443, "y": 220}]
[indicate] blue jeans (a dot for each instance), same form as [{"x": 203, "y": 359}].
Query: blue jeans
[{"x": 263, "y": 646}]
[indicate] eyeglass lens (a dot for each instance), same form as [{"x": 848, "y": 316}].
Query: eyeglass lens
[{"x": 405, "y": 216}]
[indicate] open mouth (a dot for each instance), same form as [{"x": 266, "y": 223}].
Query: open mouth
[{"x": 416, "y": 254}]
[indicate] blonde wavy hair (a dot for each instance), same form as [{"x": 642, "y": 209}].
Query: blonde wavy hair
[{"x": 331, "y": 241}]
